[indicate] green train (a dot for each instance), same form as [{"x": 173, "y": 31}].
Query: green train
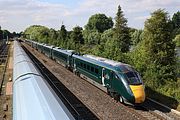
[{"x": 119, "y": 80}]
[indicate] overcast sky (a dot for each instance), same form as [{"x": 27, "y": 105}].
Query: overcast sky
[{"x": 17, "y": 15}]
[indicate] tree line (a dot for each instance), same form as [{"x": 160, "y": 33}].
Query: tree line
[
  {"x": 4, "y": 34},
  {"x": 150, "y": 50}
]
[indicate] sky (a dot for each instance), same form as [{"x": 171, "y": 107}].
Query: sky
[{"x": 17, "y": 15}]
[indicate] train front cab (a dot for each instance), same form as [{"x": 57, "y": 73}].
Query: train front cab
[
  {"x": 128, "y": 85},
  {"x": 136, "y": 85}
]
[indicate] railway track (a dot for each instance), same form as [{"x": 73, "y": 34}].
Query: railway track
[
  {"x": 3, "y": 63},
  {"x": 160, "y": 111},
  {"x": 141, "y": 112},
  {"x": 3, "y": 53},
  {"x": 75, "y": 106}
]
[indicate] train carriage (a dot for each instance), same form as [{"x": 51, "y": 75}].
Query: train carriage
[
  {"x": 64, "y": 57},
  {"x": 40, "y": 47},
  {"x": 47, "y": 50},
  {"x": 87, "y": 68},
  {"x": 34, "y": 45},
  {"x": 120, "y": 79},
  {"x": 33, "y": 98}
]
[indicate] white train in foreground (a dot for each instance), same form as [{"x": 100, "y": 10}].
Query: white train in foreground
[{"x": 33, "y": 99}]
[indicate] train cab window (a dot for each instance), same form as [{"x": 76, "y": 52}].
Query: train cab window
[
  {"x": 133, "y": 78},
  {"x": 88, "y": 67},
  {"x": 92, "y": 69},
  {"x": 96, "y": 71}
]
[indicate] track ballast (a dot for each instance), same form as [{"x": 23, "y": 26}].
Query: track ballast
[{"x": 75, "y": 106}]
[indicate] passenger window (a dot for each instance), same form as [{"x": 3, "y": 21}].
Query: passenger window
[
  {"x": 81, "y": 65},
  {"x": 85, "y": 66},
  {"x": 88, "y": 67},
  {"x": 92, "y": 69},
  {"x": 96, "y": 71}
]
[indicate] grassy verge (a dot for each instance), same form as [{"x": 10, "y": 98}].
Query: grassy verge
[{"x": 164, "y": 98}]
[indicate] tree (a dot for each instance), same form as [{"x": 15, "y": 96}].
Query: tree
[
  {"x": 175, "y": 24},
  {"x": 91, "y": 37},
  {"x": 77, "y": 37},
  {"x": 1, "y": 34},
  {"x": 38, "y": 33},
  {"x": 6, "y": 34},
  {"x": 177, "y": 40},
  {"x": 99, "y": 22},
  {"x": 121, "y": 36},
  {"x": 106, "y": 44},
  {"x": 136, "y": 36},
  {"x": 176, "y": 20},
  {"x": 159, "y": 48},
  {"x": 53, "y": 37},
  {"x": 62, "y": 36}
]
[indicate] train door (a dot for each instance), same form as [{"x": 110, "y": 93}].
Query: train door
[
  {"x": 71, "y": 61},
  {"x": 74, "y": 61},
  {"x": 106, "y": 78},
  {"x": 118, "y": 85},
  {"x": 51, "y": 50}
]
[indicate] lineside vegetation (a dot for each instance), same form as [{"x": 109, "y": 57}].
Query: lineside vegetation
[{"x": 151, "y": 50}]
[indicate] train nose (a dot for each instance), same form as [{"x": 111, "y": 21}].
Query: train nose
[{"x": 139, "y": 94}]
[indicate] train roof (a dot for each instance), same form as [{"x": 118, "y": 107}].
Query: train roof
[
  {"x": 20, "y": 63},
  {"x": 48, "y": 46},
  {"x": 94, "y": 61},
  {"x": 31, "y": 93},
  {"x": 103, "y": 62},
  {"x": 40, "y": 43},
  {"x": 68, "y": 52}
]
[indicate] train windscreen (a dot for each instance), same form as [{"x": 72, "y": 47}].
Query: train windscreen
[{"x": 133, "y": 77}]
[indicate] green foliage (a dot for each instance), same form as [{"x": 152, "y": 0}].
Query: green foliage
[
  {"x": 1, "y": 34},
  {"x": 91, "y": 37},
  {"x": 107, "y": 35},
  {"x": 175, "y": 24},
  {"x": 177, "y": 40},
  {"x": 154, "y": 56},
  {"x": 53, "y": 37},
  {"x": 138, "y": 58},
  {"x": 136, "y": 36},
  {"x": 5, "y": 33},
  {"x": 99, "y": 22},
  {"x": 77, "y": 37},
  {"x": 121, "y": 35},
  {"x": 38, "y": 33},
  {"x": 176, "y": 20},
  {"x": 62, "y": 37},
  {"x": 159, "y": 44}
]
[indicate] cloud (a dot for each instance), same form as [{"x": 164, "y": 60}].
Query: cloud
[
  {"x": 142, "y": 17},
  {"x": 16, "y": 15},
  {"x": 150, "y": 5},
  {"x": 2, "y": 20}
]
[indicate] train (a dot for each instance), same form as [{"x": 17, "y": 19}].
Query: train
[
  {"x": 121, "y": 81},
  {"x": 31, "y": 92}
]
